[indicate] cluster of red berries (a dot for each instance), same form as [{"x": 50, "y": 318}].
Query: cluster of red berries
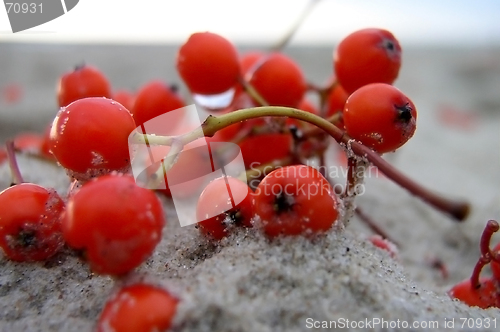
[
  {"x": 366, "y": 63},
  {"x": 362, "y": 101},
  {"x": 89, "y": 138},
  {"x": 109, "y": 220},
  {"x": 482, "y": 292}
]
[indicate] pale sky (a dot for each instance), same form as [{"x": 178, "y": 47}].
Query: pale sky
[{"x": 160, "y": 21}]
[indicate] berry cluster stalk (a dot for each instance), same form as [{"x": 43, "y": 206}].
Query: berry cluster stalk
[
  {"x": 455, "y": 208},
  {"x": 486, "y": 254}
]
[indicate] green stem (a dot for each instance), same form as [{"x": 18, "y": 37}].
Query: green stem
[
  {"x": 252, "y": 92},
  {"x": 213, "y": 124}
]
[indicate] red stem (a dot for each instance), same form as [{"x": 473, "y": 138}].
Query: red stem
[
  {"x": 486, "y": 254},
  {"x": 14, "y": 167},
  {"x": 373, "y": 225}
]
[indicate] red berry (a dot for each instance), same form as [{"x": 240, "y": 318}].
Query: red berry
[
  {"x": 138, "y": 307},
  {"x": 495, "y": 265},
  {"x": 487, "y": 295},
  {"x": 85, "y": 81},
  {"x": 224, "y": 200},
  {"x": 367, "y": 56},
  {"x": 279, "y": 80},
  {"x": 124, "y": 97},
  {"x": 380, "y": 116},
  {"x": 294, "y": 200},
  {"x": 226, "y": 134},
  {"x": 30, "y": 222},
  {"x": 154, "y": 99},
  {"x": 208, "y": 63},
  {"x": 255, "y": 151},
  {"x": 117, "y": 223},
  {"x": 336, "y": 100},
  {"x": 90, "y": 137}
]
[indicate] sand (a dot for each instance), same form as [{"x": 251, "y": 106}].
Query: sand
[{"x": 248, "y": 283}]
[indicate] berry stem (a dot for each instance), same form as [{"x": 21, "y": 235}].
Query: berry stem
[
  {"x": 17, "y": 177},
  {"x": 373, "y": 225},
  {"x": 486, "y": 254},
  {"x": 457, "y": 209},
  {"x": 293, "y": 29},
  {"x": 252, "y": 92},
  {"x": 318, "y": 132}
]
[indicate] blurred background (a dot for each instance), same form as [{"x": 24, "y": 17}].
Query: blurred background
[{"x": 443, "y": 22}]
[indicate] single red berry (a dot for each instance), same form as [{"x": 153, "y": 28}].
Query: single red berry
[
  {"x": 208, "y": 63},
  {"x": 279, "y": 80},
  {"x": 154, "y": 99},
  {"x": 125, "y": 97},
  {"x": 495, "y": 265},
  {"x": 84, "y": 81},
  {"x": 138, "y": 307},
  {"x": 485, "y": 296},
  {"x": 367, "y": 56},
  {"x": 115, "y": 222},
  {"x": 30, "y": 222},
  {"x": 380, "y": 116},
  {"x": 225, "y": 201},
  {"x": 89, "y": 137},
  {"x": 255, "y": 153},
  {"x": 295, "y": 200}
]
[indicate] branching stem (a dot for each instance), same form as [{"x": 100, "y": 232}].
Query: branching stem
[
  {"x": 456, "y": 209},
  {"x": 486, "y": 253}
]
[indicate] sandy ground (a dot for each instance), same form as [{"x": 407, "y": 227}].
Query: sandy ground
[{"x": 247, "y": 283}]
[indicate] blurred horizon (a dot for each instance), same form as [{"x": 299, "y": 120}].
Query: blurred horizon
[{"x": 423, "y": 23}]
